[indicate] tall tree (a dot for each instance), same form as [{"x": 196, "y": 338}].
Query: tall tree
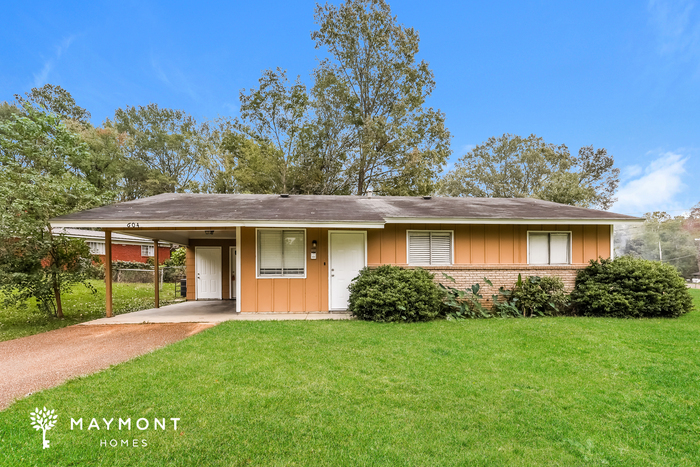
[
  {"x": 275, "y": 115},
  {"x": 381, "y": 89},
  {"x": 37, "y": 182},
  {"x": 168, "y": 142},
  {"x": 56, "y": 100},
  {"x": 514, "y": 167}
]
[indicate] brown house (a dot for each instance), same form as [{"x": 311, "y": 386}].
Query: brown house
[{"x": 299, "y": 253}]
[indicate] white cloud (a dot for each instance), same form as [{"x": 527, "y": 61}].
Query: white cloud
[
  {"x": 42, "y": 77},
  {"x": 655, "y": 189},
  {"x": 675, "y": 25},
  {"x": 174, "y": 78}
]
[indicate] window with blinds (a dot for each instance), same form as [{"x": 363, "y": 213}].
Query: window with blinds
[
  {"x": 549, "y": 248},
  {"x": 430, "y": 248},
  {"x": 147, "y": 250},
  {"x": 96, "y": 248},
  {"x": 281, "y": 252}
]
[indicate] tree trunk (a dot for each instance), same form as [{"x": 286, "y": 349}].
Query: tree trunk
[{"x": 57, "y": 296}]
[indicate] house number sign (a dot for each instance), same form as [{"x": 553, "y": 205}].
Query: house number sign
[{"x": 132, "y": 224}]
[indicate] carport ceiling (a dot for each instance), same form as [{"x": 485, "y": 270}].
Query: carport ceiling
[{"x": 183, "y": 237}]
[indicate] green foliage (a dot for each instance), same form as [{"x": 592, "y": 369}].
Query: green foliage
[
  {"x": 377, "y": 91},
  {"x": 391, "y": 293},
  {"x": 177, "y": 257},
  {"x": 39, "y": 179},
  {"x": 628, "y": 287},
  {"x": 463, "y": 304},
  {"x": 513, "y": 167},
  {"x": 467, "y": 303},
  {"x": 540, "y": 296},
  {"x": 169, "y": 143},
  {"x": 54, "y": 99}
]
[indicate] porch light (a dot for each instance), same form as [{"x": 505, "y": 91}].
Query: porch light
[{"x": 208, "y": 232}]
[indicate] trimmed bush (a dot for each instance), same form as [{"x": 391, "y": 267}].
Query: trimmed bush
[
  {"x": 391, "y": 293},
  {"x": 540, "y": 296},
  {"x": 628, "y": 287}
]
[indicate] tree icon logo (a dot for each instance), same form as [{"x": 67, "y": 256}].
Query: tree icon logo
[{"x": 43, "y": 420}]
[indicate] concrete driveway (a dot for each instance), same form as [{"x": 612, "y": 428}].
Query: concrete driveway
[
  {"x": 207, "y": 311},
  {"x": 45, "y": 360}
]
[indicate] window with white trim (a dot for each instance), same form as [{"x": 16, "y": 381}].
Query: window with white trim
[
  {"x": 96, "y": 248},
  {"x": 429, "y": 247},
  {"x": 146, "y": 250},
  {"x": 549, "y": 248},
  {"x": 281, "y": 253}
]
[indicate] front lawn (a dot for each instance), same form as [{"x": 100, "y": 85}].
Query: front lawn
[
  {"x": 552, "y": 391},
  {"x": 81, "y": 305}
]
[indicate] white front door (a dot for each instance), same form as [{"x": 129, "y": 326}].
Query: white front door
[
  {"x": 346, "y": 259},
  {"x": 207, "y": 267}
]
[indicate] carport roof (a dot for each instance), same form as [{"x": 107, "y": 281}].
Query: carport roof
[{"x": 189, "y": 209}]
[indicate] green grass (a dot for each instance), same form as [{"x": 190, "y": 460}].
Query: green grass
[
  {"x": 80, "y": 305},
  {"x": 552, "y": 391}
]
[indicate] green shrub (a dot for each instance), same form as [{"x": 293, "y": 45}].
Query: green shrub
[
  {"x": 391, "y": 293},
  {"x": 541, "y": 296},
  {"x": 628, "y": 287}
]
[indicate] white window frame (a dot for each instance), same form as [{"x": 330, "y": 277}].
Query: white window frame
[
  {"x": 96, "y": 248},
  {"x": 279, "y": 276},
  {"x": 150, "y": 250},
  {"x": 408, "y": 247},
  {"x": 569, "y": 253}
]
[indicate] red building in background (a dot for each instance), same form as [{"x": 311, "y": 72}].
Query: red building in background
[{"x": 124, "y": 247}]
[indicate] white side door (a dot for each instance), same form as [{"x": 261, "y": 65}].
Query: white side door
[
  {"x": 232, "y": 270},
  {"x": 207, "y": 266},
  {"x": 347, "y": 257}
]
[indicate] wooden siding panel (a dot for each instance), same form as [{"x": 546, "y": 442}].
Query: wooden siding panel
[
  {"x": 265, "y": 294},
  {"x": 507, "y": 244},
  {"x": 462, "y": 244},
  {"x": 478, "y": 244},
  {"x": 590, "y": 240},
  {"x": 374, "y": 247},
  {"x": 401, "y": 247},
  {"x": 388, "y": 252},
  {"x": 297, "y": 292},
  {"x": 492, "y": 241},
  {"x": 280, "y": 294},
  {"x": 577, "y": 244},
  {"x": 189, "y": 272}
]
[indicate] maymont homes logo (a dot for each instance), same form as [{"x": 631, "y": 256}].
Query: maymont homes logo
[{"x": 43, "y": 420}]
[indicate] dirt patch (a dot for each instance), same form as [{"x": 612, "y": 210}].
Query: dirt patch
[{"x": 42, "y": 361}]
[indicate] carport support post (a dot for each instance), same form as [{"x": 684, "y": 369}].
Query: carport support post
[
  {"x": 108, "y": 273},
  {"x": 155, "y": 270}
]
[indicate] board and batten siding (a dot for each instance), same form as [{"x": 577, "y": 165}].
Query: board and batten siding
[
  {"x": 285, "y": 294},
  {"x": 487, "y": 244}
]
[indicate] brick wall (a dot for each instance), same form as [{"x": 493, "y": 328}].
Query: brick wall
[
  {"x": 133, "y": 253},
  {"x": 500, "y": 275}
]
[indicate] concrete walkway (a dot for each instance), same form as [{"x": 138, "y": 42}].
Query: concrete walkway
[{"x": 207, "y": 311}]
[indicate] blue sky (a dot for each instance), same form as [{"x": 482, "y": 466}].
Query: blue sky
[{"x": 620, "y": 75}]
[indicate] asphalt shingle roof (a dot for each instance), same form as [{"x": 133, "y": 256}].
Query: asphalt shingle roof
[{"x": 309, "y": 208}]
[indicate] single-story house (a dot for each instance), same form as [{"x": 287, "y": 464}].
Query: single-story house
[
  {"x": 124, "y": 247},
  {"x": 298, "y": 253}
]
